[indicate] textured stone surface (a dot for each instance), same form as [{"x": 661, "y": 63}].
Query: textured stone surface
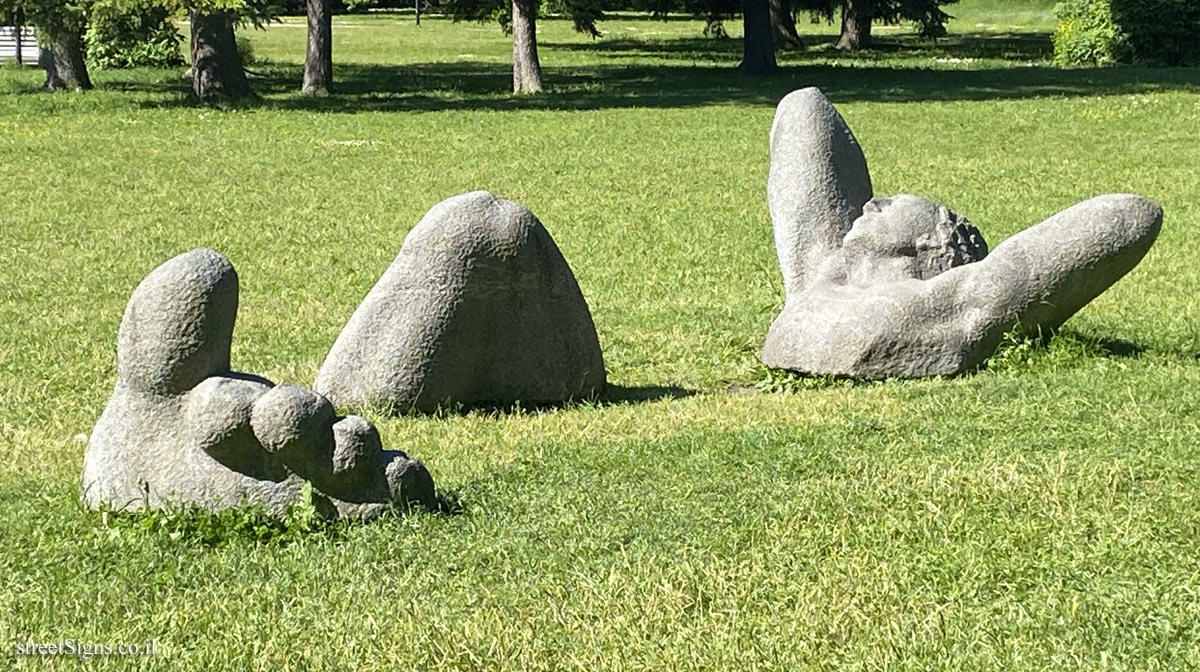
[
  {"x": 905, "y": 237},
  {"x": 902, "y": 286},
  {"x": 817, "y": 185},
  {"x": 182, "y": 429},
  {"x": 479, "y": 307}
]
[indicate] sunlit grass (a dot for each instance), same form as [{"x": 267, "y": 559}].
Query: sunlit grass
[{"x": 1041, "y": 514}]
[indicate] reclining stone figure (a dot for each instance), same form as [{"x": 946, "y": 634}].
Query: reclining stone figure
[
  {"x": 181, "y": 429},
  {"x": 902, "y": 286}
]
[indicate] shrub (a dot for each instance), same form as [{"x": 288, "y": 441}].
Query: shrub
[
  {"x": 125, "y": 35},
  {"x": 1086, "y": 35},
  {"x": 1153, "y": 32},
  {"x": 1160, "y": 32}
]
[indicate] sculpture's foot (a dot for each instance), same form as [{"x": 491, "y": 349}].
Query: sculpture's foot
[{"x": 409, "y": 482}]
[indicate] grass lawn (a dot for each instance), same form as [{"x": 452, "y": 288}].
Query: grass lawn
[{"x": 1043, "y": 514}]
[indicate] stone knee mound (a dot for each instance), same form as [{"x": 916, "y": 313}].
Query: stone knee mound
[{"x": 478, "y": 308}]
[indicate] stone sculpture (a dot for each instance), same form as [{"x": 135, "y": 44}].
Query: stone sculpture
[
  {"x": 903, "y": 287},
  {"x": 181, "y": 429},
  {"x": 479, "y": 307}
]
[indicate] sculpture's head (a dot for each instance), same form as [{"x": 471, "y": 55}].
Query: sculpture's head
[
  {"x": 178, "y": 325},
  {"x": 908, "y": 237}
]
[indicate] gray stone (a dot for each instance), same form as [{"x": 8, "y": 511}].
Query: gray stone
[
  {"x": 181, "y": 429},
  {"x": 902, "y": 286},
  {"x": 356, "y": 440},
  {"x": 817, "y": 184},
  {"x": 479, "y": 307},
  {"x": 290, "y": 420},
  {"x": 905, "y": 237}
]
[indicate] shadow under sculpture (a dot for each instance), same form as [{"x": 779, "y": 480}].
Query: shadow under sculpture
[
  {"x": 182, "y": 429},
  {"x": 478, "y": 308},
  {"x": 903, "y": 287}
]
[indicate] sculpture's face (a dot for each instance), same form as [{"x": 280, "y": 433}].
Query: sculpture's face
[{"x": 907, "y": 237}]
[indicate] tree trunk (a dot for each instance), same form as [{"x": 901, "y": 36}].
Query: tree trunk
[
  {"x": 856, "y": 25},
  {"x": 217, "y": 72},
  {"x": 527, "y": 71},
  {"x": 758, "y": 49},
  {"x": 19, "y": 32},
  {"x": 64, "y": 64},
  {"x": 318, "y": 59},
  {"x": 783, "y": 25},
  {"x": 46, "y": 62}
]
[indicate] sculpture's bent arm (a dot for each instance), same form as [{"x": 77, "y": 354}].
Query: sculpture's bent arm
[{"x": 1043, "y": 275}]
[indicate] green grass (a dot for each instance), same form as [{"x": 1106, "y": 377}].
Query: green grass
[{"x": 1043, "y": 514}]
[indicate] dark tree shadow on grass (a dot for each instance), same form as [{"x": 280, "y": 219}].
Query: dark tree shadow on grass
[
  {"x": 1016, "y": 46},
  {"x": 697, "y": 71},
  {"x": 431, "y": 87},
  {"x": 701, "y": 71},
  {"x": 611, "y": 396}
]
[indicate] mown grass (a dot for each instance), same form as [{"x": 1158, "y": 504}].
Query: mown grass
[{"x": 1041, "y": 514}]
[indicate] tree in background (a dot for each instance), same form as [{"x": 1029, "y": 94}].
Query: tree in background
[
  {"x": 926, "y": 14},
  {"x": 318, "y": 51},
  {"x": 758, "y": 32},
  {"x": 318, "y": 54},
  {"x": 758, "y": 45},
  {"x": 784, "y": 13},
  {"x": 519, "y": 18},
  {"x": 78, "y": 37},
  {"x": 858, "y": 15},
  {"x": 527, "y": 67},
  {"x": 856, "y": 25},
  {"x": 783, "y": 25},
  {"x": 771, "y": 23},
  {"x": 218, "y": 73},
  {"x": 60, "y": 25}
]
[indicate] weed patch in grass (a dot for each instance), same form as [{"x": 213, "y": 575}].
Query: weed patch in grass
[
  {"x": 1020, "y": 354},
  {"x": 238, "y": 524}
]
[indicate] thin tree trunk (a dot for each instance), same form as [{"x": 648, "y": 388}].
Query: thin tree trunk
[
  {"x": 856, "y": 25},
  {"x": 217, "y": 72},
  {"x": 318, "y": 59},
  {"x": 527, "y": 71},
  {"x": 783, "y": 25},
  {"x": 758, "y": 48},
  {"x": 714, "y": 27},
  {"x": 19, "y": 33},
  {"x": 64, "y": 64}
]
